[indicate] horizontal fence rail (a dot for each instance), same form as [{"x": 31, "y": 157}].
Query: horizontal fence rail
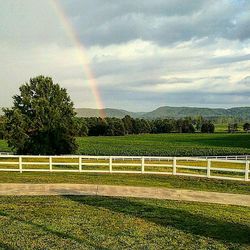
[
  {"x": 227, "y": 157},
  {"x": 209, "y": 167}
]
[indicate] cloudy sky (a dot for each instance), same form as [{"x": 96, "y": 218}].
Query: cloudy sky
[{"x": 143, "y": 53}]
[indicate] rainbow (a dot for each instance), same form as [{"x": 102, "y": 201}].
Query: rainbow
[{"x": 72, "y": 34}]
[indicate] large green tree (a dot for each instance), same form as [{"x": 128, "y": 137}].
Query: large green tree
[{"x": 42, "y": 119}]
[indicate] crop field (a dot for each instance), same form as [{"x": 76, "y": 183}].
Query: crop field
[
  {"x": 162, "y": 144},
  {"x": 83, "y": 222},
  {"x": 166, "y": 145}
]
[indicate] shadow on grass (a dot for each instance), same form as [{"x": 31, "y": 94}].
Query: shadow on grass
[
  {"x": 47, "y": 230},
  {"x": 6, "y": 246},
  {"x": 169, "y": 217}
]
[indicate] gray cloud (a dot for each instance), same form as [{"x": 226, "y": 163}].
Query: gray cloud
[
  {"x": 229, "y": 59},
  {"x": 245, "y": 81},
  {"x": 162, "y": 22}
]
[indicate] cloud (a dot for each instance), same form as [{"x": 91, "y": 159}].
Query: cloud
[
  {"x": 162, "y": 22},
  {"x": 143, "y": 54}
]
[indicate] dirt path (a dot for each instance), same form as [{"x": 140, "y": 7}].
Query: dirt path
[{"x": 124, "y": 191}]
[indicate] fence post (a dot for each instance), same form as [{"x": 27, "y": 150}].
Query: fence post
[
  {"x": 142, "y": 164},
  {"x": 246, "y": 170},
  {"x": 110, "y": 164},
  {"x": 20, "y": 164},
  {"x": 50, "y": 163},
  {"x": 80, "y": 164},
  {"x": 208, "y": 168},
  {"x": 174, "y": 165}
]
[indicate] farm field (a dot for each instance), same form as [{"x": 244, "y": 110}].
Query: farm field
[
  {"x": 162, "y": 144},
  {"x": 82, "y": 222},
  {"x": 167, "y": 144}
]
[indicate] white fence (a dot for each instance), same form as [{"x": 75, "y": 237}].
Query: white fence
[
  {"x": 182, "y": 166},
  {"x": 6, "y": 153},
  {"x": 227, "y": 157}
]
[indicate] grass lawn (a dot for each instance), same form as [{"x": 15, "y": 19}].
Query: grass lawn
[
  {"x": 201, "y": 184},
  {"x": 82, "y": 222}
]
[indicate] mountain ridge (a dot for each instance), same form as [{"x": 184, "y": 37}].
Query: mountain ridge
[
  {"x": 171, "y": 112},
  {"x": 167, "y": 112}
]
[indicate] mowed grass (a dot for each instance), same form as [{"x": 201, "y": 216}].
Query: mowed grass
[
  {"x": 163, "y": 144},
  {"x": 163, "y": 181},
  {"x": 82, "y": 222}
]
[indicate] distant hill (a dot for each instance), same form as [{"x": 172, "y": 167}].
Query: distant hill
[
  {"x": 168, "y": 112},
  {"x": 171, "y": 112},
  {"x": 119, "y": 113},
  {"x": 178, "y": 112}
]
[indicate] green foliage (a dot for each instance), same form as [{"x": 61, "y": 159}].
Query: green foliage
[
  {"x": 232, "y": 127},
  {"x": 207, "y": 127},
  {"x": 128, "y": 125},
  {"x": 128, "y": 122},
  {"x": 41, "y": 120},
  {"x": 141, "y": 126},
  {"x": 115, "y": 127},
  {"x": 246, "y": 126},
  {"x": 81, "y": 127},
  {"x": 2, "y": 127}
]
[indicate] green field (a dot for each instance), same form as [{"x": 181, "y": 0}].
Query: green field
[
  {"x": 78, "y": 222},
  {"x": 223, "y": 128},
  {"x": 163, "y": 144},
  {"x": 167, "y": 144}
]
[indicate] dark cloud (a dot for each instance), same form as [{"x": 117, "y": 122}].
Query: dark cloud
[
  {"x": 229, "y": 59},
  {"x": 163, "y": 22}
]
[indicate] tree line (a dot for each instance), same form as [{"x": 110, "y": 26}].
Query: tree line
[{"x": 94, "y": 126}]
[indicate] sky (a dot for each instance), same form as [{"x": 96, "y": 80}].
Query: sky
[{"x": 140, "y": 54}]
